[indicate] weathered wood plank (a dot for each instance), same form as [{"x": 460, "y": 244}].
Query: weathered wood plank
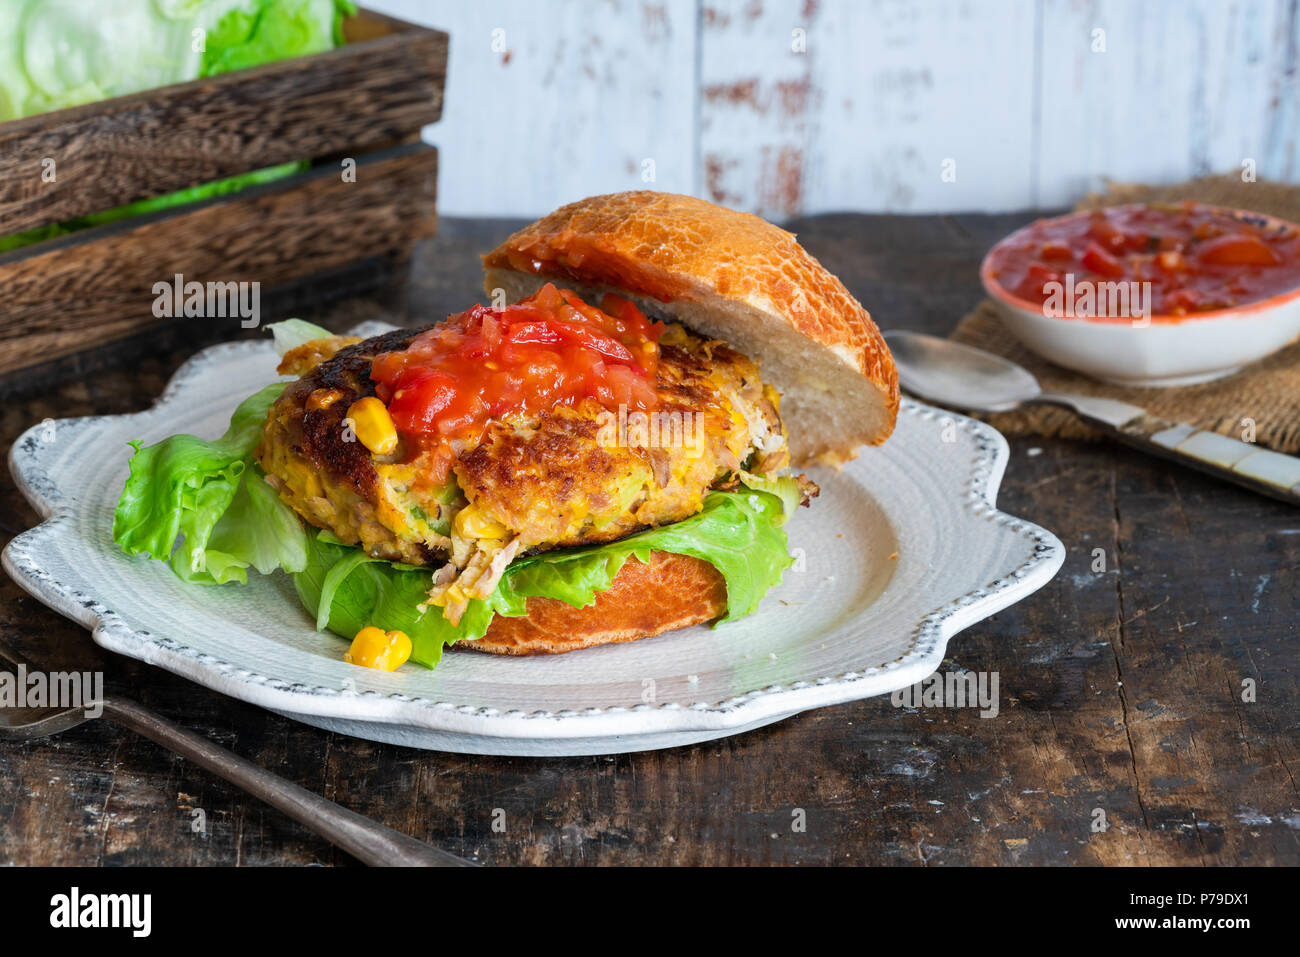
[
  {"x": 1198, "y": 591},
  {"x": 553, "y": 102},
  {"x": 1163, "y": 92},
  {"x": 865, "y": 118},
  {"x": 889, "y": 106},
  {"x": 349, "y": 101},
  {"x": 72, "y": 293}
]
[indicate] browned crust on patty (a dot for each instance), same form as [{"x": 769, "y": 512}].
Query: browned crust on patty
[
  {"x": 667, "y": 593},
  {"x": 331, "y": 482},
  {"x": 318, "y": 434},
  {"x": 312, "y": 353}
]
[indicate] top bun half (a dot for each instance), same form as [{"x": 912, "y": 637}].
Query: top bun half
[{"x": 730, "y": 276}]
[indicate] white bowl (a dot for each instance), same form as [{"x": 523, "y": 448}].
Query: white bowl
[{"x": 1164, "y": 351}]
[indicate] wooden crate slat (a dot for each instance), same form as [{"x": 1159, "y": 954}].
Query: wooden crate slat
[
  {"x": 361, "y": 97},
  {"x": 70, "y": 294}
]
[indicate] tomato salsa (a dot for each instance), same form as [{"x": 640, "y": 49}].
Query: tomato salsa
[
  {"x": 551, "y": 349},
  {"x": 1196, "y": 258}
]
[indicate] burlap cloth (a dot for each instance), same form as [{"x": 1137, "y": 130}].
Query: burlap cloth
[{"x": 1267, "y": 391}]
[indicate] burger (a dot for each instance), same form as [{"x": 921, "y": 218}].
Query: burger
[{"x": 606, "y": 450}]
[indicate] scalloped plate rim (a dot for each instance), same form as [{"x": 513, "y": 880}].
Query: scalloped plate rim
[{"x": 759, "y": 706}]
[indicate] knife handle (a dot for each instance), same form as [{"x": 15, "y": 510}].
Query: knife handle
[
  {"x": 1260, "y": 470},
  {"x": 368, "y": 841}
]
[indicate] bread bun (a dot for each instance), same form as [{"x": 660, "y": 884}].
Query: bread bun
[
  {"x": 730, "y": 276},
  {"x": 669, "y": 592},
  {"x": 723, "y": 274}
]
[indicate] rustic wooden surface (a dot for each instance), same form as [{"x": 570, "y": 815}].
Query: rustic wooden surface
[
  {"x": 68, "y": 294},
  {"x": 361, "y": 97},
  {"x": 1120, "y": 690}
]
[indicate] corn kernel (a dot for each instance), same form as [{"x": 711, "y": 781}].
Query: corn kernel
[
  {"x": 373, "y": 648},
  {"x": 373, "y": 425},
  {"x": 323, "y": 398},
  {"x": 470, "y": 522},
  {"x": 674, "y": 335}
]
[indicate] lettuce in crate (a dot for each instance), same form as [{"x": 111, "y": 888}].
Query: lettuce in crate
[{"x": 62, "y": 53}]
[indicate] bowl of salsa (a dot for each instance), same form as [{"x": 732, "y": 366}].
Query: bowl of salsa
[{"x": 1150, "y": 294}]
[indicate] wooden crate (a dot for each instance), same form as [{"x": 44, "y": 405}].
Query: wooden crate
[{"x": 365, "y": 101}]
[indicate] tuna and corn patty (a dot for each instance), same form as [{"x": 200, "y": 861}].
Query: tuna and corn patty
[{"x": 568, "y": 476}]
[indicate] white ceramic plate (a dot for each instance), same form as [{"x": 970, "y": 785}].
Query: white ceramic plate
[{"x": 903, "y": 549}]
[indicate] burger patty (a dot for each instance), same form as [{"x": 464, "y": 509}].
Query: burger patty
[
  {"x": 314, "y": 461},
  {"x": 567, "y": 476}
]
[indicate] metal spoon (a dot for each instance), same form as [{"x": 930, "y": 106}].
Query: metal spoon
[
  {"x": 368, "y": 841},
  {"x": 959, "y": 376}
]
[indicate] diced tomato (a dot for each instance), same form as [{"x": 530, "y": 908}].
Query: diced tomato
[
  {"x": 606, "y": 346},
  {"x": 1171, "y": 261},
  {"x": 1237, "y": 250},
  {"x": 1041, "y": 273},
  {"x": 1183, "y": 300},
  {"x": 1036, "y": 275},
  {"x": 418, "y": 398},
  {"x": 1102, "y": 262},
  {"x": 628, "y": 387},
  {"x": 533, "y": 333},
  {"x": 549, "y": 350},
  {"x": 1105, "y": 232},
  {"x": 1196, "y": 258},
  {"x": 1137, "y": 242},
  {"x": 491, "y": 332}
]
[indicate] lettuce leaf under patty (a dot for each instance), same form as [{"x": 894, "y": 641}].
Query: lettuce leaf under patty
[
  {"x": 739, "y": 533},
  {"x": 210, "y": 495}
]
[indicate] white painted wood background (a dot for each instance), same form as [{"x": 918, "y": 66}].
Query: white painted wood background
[{"x": 1024, "y": 100}]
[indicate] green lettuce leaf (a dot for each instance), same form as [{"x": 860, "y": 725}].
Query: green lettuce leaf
[
  {"x": 269, "y": 30},
  {"x": 739, "y": 533},
  {"x": 346, "y": 590},
  {"x": 62, "y": 53},
  {"x": 210, "y": 495},
  {"x": 258, "y": 530},
  {"x": 221, "y": 187},
  {"x": 294, "y": 332},
  {"x": 784, "y": 487}
]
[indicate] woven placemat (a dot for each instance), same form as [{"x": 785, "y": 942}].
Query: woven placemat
[{"x": 1263, "y": 397}]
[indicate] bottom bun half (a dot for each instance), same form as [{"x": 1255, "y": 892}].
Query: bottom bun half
[{"x": 647, "y": 598}]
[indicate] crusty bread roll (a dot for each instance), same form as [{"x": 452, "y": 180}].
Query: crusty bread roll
[
  {"x": 730, "y": 276},
  {"x": 669, "y": 592}
]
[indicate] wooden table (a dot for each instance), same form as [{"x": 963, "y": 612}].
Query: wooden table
[{"x": 1120, "y": 690}]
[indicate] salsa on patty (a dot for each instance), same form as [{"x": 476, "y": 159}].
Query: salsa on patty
[{"x": 466, "y": 444}]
